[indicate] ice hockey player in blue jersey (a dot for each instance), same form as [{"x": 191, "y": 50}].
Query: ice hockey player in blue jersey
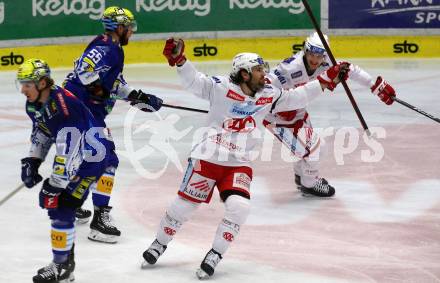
[
  {"x": 58, "y": 116},
  {"x": 98, "y": 81}
]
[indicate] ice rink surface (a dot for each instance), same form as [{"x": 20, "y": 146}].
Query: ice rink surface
[{"x": 383, "y": 224}]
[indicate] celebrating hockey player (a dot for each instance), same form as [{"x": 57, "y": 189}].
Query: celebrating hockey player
[
  {"x": 238, "y": 105},
  {"x": 58, "y": 116},
  {"x": 287, "y": 126},
  {"x": 98, "y": 81}
]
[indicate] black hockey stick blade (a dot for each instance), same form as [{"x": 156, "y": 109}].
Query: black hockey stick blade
[{"x": 416, "y": 109}]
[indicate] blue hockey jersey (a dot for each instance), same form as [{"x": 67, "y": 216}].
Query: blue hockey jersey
[
  {"x": 103, "y": 61},
  {"x": 80, "y": 142}
]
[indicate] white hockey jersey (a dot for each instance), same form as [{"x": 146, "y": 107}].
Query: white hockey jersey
[
  {"x": 234, "y": 122},
  {"x": 292, "y": 73}
]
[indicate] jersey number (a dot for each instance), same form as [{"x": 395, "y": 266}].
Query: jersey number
[{"x": 94, "y": 55}]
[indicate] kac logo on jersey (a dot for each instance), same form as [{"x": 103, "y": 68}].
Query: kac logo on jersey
[{"x": 242, "y": 125}]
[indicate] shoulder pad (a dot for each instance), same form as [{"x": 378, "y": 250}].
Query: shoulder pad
[{"x": 289, "y": 60}]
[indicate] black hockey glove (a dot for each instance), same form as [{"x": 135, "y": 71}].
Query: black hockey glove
[
  {"x": 97, "y": 92},
  {"x": 49, "y": 195},
  {"x": 144, "y": 101},
  {"x": 29, "y": 171}
]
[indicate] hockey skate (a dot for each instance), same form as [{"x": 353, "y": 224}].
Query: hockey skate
[
  {"x": 151, "y": 255},
  {"x": 55, "y": 273},
  {"x": 70, "y": 260},
  {"x": 102, "y": 228},
  {"x": 208, "y": 265},
  {"x": 82, "y": 215},
  {"x": 321, "y": 189}
]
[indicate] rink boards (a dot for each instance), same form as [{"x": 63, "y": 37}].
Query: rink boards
[{"x": 224, "y": 49}]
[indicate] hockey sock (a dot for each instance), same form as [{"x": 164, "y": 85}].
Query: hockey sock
[
  {"x": 237, "y": 209},
  {"x": 177, "y": 213},
  {"x": 102, "y": 189},
  {"x": 63, "y": 236}
]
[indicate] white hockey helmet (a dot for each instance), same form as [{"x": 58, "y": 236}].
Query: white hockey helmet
[
  {"x": 314, "y": 44},
  {"x": 245, "y": 61}
]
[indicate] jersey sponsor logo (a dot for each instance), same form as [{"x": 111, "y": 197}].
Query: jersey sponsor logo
[
  {"x": 63, "y": 104},
  {"x": 235, "y": 96},
  {"x": 280, "y": 77},
  {"x": 59, "y": 169},
  {"x": 51, "y": 109},
  {"x": 296, "y": 74},
  {"x": 105, "y": 184},
  {"x": 12, "y": 59},
  {"x": 59, "y": 239},
  {"x": 242, "y": 181},
  {"x": 264, "y": 100},
  {"x": 202, "y": 186},
  {"x": 228, "y": 236},
  {"x": 245, "y": 110},
  {"x": 242, "y": 125},
  {"x": 226, "y": 143},
  {"x": 197, "y": 187},
  {"x": 60, "y": 159}
]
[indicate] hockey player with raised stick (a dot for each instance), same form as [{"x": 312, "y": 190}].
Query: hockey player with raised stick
[
  {"x": 59, "y": 116},
  {"x": 288, "y": 126},
  {"x": 221, "y": 157},
  {"x": 98, "y": 81}
]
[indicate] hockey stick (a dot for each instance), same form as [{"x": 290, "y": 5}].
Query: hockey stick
[
  {"x": 415, "y": 109},
  {"x": 332, "y": 58},
  {"x": 185, "y": 108},
  {"x": 8, "y": 196}
]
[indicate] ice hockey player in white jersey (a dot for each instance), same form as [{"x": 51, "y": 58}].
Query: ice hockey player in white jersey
[
  {"x": 221, "y": 156},
  {"x": 294, "y": 128}
]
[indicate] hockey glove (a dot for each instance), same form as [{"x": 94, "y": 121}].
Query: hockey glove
[
  {"x": 97, "y": 92},
  {"x": 144, "y": 101},
  {"x": 385, "y": 92},
  {"x": 49, "y": 195},
  {"x": 173, "y": 51},
  {"x": 334, "y": 75},
  {"x": 29, "y": 171}
]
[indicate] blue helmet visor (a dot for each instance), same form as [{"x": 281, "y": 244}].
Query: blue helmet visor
[{"x": 316, "y": 50}]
